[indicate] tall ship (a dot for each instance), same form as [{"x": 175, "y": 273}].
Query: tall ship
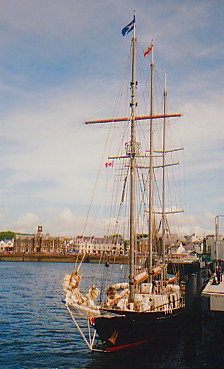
[{"x": 137, "y": 302}]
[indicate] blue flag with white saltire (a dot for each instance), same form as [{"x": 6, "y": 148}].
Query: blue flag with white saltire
[{"x": 129, "y": 27}]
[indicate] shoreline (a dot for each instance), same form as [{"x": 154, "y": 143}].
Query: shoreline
[{"x": 58, "y": 258}]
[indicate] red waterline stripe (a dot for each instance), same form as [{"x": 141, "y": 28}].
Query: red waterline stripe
[{"x": 117, "y": 348}]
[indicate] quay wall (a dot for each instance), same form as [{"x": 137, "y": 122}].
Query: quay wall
[{"x": 58, "y": 258}]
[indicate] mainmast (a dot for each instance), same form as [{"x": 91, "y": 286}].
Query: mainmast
[
  {"x": 131, "y": 151},
  {"x": 151, "y": 171}
]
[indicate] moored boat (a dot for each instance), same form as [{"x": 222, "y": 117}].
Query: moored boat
[{"x": 148, "y": 302}]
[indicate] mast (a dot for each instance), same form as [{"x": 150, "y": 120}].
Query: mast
[
  {"x": 164, "y": 179},
  {"x": 132, "y": 152},
  {"x": 151, "y": 150}
]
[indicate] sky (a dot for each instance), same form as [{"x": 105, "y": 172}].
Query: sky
[{"x": 61, "y": 63}]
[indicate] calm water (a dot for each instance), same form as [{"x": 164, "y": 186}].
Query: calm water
[{"x": 36, "y": 331}]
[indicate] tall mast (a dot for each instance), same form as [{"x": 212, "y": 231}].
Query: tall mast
[
  {"x": 151, "y": 150},
  {"x": 132, "y": 153},
  {"x": 163, "y": 178}
]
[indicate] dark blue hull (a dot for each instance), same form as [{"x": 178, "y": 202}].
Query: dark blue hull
[{"x": 128, "y": 329}]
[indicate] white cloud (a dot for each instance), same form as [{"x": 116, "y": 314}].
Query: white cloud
[
  {"x": 187, "y": 224},
  {"x": 27, "y": 222}
]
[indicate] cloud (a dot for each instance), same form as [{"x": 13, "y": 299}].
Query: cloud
[
  {"x": 26, "y": 222},
  {"x": 201, "y": 225}
]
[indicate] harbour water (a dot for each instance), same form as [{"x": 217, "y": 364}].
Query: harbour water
[{"x": 37, "y": 332}]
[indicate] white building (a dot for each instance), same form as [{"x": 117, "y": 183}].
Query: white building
[
  {"x": 215, "y": 248},
  {"x": 6, "y": 246},
  {"x": 98, "y": 245}
]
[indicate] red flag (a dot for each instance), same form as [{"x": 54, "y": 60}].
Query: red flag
[
  {"x": 109, "y": 164},
  {"x": 146, "y": 52}
]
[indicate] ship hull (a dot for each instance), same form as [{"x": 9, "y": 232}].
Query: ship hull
[{"x": 128, "y": 329}]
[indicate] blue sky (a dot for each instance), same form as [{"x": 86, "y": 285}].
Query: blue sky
[{"x": 61, "y": 63}]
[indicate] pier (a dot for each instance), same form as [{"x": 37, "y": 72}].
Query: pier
[{"x": 213, "y": 297}]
